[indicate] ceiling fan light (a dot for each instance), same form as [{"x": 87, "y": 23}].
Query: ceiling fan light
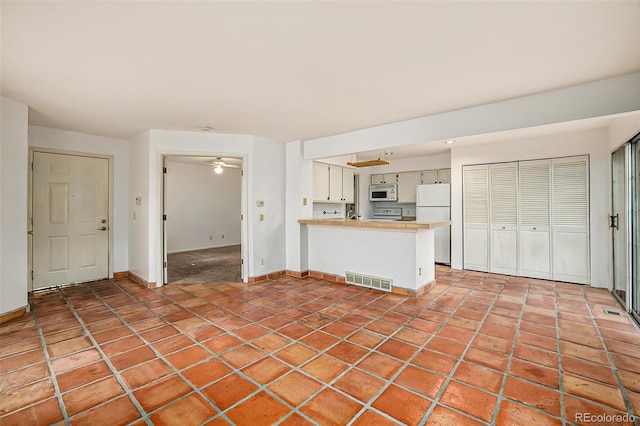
[{"x": 217, "y": 169}]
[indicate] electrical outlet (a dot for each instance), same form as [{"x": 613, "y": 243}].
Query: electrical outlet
[
  {"x": 223, "y": 236},
  {"x": 260, "y": 203},
  {"x": 262, "y": 261}
]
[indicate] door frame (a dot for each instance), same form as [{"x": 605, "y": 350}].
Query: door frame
[
  {"x": 32, "y": 151},
  {"x": 244, "y": 222},
  {"x": 627, "y": 273}
]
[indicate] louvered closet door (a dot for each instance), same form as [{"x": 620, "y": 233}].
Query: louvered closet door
[
  {"x": 503, "y": 217},
  {"x": 534, "y": 226},
  {"x": 570, "y": 219},
  {"x": 475, "y": 193}
]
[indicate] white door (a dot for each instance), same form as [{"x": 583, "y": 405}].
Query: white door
[
  {"x": 475, "y": 199},
  {"x": 503, "y": 218},
  {"x": 535, "y": 231},
  {"x": 570, "y": 219},
  {"x": 70, "y": 219}
]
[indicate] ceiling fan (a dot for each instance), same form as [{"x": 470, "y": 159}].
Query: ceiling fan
[{"x": 219, "y": 163}]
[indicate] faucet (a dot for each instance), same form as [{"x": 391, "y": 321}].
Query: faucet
[{"x": 352, "y": 215}]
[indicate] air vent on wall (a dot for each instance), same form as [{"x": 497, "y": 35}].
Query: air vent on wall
[{"x": 369, "y": 281}]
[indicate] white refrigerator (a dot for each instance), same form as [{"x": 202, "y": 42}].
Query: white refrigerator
[{"x": 433, "y": 203}]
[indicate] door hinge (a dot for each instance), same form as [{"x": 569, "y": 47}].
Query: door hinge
[
  {"x": 164, "y": 217},
  {"x": 164, "y": 264},
  {"x": 164, "y": 170},
  {"x": 31, "y": 275},
  {"x": 241, "y": 217},
  {"x": 242, "y": 261},
  {"x": 32, "y": 165}
]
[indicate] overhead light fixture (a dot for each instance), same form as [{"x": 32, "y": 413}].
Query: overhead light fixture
[
  {"x": 218, "y": 169},
  {"x": 449, "y": 142},
  {"x": 205, "y": 128},
  {"x": 388, "y": 153}
]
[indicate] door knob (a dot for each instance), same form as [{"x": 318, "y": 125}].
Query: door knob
[
  {"x": 104, "y": 228},
  {"x": 103, "y": 221}
]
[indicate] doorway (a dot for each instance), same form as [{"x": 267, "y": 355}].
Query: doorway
[
  {"x": 70, "y": 206},
  {"x": 202, "y": 206},
  {"x": 625, "y": 225}
]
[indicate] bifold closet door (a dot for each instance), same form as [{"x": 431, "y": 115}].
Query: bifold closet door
[
  {"x": 475, "y": 194},
  {"x": 503, "y": 218},
  {"x": 535, "y": 230},
  {"x": 570, "y": 219}
]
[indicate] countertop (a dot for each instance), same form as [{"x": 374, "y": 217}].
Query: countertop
[{"x": 373, "y": 223}]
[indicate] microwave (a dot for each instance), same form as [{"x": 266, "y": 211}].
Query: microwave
[{"x": 383, "y": 192}]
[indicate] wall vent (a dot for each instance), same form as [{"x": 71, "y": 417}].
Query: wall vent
[
  {"x": 612, "y": 312},
  {"x": 369, "y": 281}
]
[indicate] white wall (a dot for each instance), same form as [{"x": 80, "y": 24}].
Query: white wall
[
  {"x": 622, "y": 129},
  {"x": 299, "y": 185},
  {"x": 593, "y": 142},
  {"x": 43, "y": 137},
  {"x": 203, "y": 208},
  {"x": 14, "y": 153},
  {"x": 264, "y": 179}
]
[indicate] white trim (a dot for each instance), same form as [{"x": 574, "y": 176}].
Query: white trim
[{"x": 201, "y": 248}]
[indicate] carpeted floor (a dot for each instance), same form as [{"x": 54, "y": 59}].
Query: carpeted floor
[{"x": 221, "y": 264}]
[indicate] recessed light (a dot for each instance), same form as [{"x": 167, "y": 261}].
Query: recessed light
[
  {"x": 449, "y": 142},
  {"x": 205, "y": 128},
  {"x": 388, "y": 153}
]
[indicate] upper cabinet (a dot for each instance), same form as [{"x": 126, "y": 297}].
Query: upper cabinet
[
  {"x": 407, "y": 183},
  {"x": 332, "y": 184},
  {"x": 384, "y": 178},
  {"x": 436, "y": 176}
]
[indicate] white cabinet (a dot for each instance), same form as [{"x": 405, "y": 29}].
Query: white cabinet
[
  {"x": 475, "y": 214},
  {"x": 436, "y": 176},
  {"x": 332, "y": 184},
  {"x": 384, "y": 178},
  {"x": 407, "y": 183},
  {"x": 528, "y": 218},
  {"x": 534, "y": 222},
  {"x": 503, "y": 218}
]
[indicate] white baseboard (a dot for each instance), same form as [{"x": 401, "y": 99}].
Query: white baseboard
[{"x": 201, "y": 248}]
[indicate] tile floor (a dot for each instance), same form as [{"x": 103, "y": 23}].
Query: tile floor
[{"x": 476, "y": 349}]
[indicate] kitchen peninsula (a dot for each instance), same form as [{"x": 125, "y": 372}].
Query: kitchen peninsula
[{"x": 401, "y": 252}]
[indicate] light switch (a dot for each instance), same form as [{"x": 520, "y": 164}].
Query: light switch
[
  {"x": 260, "y": 203},
  {"x": 261, "y": 217},
  {"x": 138, "y": 200},
  {"x": 304, "y": 201}
]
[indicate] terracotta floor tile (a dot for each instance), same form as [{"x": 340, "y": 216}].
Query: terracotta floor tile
[
  {"x": 446, "y": 346},
  {"x": 133, "y": 357},
  {"x": 190, "y": 410},
  {"x": 145, "y": 373},
  {"x": 339, "y": 329},
  {"x": 481, "y": 377},
  {"x": 294, "y": 387},
  {"x": 539, "y": 356},
  {"x": 493, "y": 344},
  {"x": 469, "y": 400},
  {"x": 550, "y": 344},
  {"x": 515, "y": 414},
  {"x": 533, "y": 395},
  {"x": 187, "y": 357},
  {"x": 229, "y": 390},
  {"x": 459, "y": 334},
  {"x": 580, "y": 367},
  {"x": 23, "y": 376},
  {"x": 319, "y": 340},
  {"x": 380, "y": 365},
  {"x": 121, "y": 345},
  {"x": 347, "y": 352},
  {"x": 624, "y": 362},
  {"x": 434, "y": 361},
  {"x": 83, "y": 375},
  {"x": 383, "y": 327},
  {"x": 584, "y": 352},
  {"x": 630, "y": 380},
  {"x": 421, "y": 381},
  {"x": 368, "y": 339},
  {"x": 242, "y": 356},
  {"x": 206, "y": 372},
  {"x": 535, "y": 373},
  {"x": 325, "y": 368},
  {"x": 295, "y": 331},
  {"x": 266, "y": 370},
  {"x": 605, "y": 394},
  {"x": 204, "y": 333},
  {"x": 576, "y": 408},
  {"x": 91, "y": 395},
  {"x": 582, "y": 339},
  {"x": 45, "y": 412},
  {"x": 19, "y": 346},
  {"x": 26, "y": 395},
  {"x": 271, "y": 342},
  {"x": 260, "y": 409},
  {"x": 402, "y": 405},
  {"x": 120, "y": 411},
  {"x": 21, "y": 360},
  {"x": 331, "y": 408},
  {"x": 222, "y": 343},
  {"x": 296, "y": 420},
  {"x": 112, "y": 334},
  {"x": 64, "y": 336},
  {"x": 161, "y": 392},
  {"x": 369, "y": 418},
  {"x": 441, "y": 416},
  {"x": 422, "y": 325},
  {"x": 359, "y": 384},
  {"x": 274, "y": 322},
  {"x": 397, "y": 349},
  {"x": 75, "y": 360},
  {"x": 251, "y": 331}
]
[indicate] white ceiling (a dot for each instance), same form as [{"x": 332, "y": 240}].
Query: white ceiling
[{"x": 298, "y": 70}]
